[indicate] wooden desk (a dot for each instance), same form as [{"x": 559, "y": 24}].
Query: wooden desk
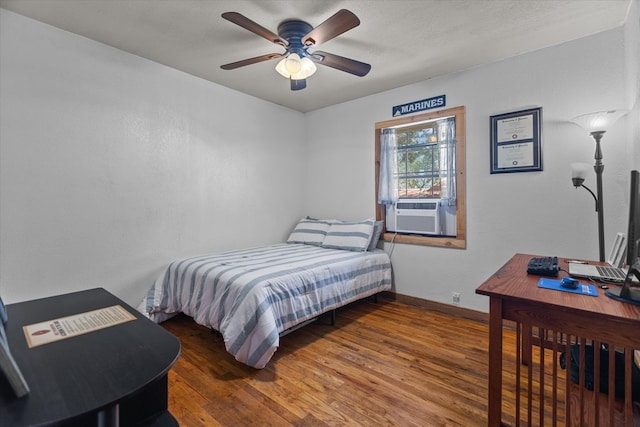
[
  {"x": 514, "y": 296},
  {"x": 116, "y": 375}
]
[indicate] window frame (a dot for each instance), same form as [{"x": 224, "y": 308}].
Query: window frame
[{"x": 460, "y": 240}]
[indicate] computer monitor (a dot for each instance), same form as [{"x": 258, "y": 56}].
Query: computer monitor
[
  {"x": 633, "y": 227},
  {"x": 628, "y": 292}
]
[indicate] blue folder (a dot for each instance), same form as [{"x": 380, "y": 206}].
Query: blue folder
[{"x": 583, "y": 289}]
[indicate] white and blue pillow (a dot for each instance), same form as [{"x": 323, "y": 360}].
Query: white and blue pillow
[
  {"x": 349, "y": 235},
  {"x": 309, "y": 232},
  {"x": 375, "y": 237}
]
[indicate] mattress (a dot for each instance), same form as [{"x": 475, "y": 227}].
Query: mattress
[{"x": 252, "y": 295}]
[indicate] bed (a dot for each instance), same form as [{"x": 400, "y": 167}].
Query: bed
[{"x": 251, "y": 296}]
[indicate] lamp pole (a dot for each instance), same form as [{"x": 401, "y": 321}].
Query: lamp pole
[
  {"x": 596, "y": 124},
  {"x": 598, "y": 168}
]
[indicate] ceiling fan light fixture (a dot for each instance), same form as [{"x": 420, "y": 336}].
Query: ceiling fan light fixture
[
  {"x": 292, "y": 63},
  {"x": 308, "y": 68},
  {"x": 281, "y": 67},
  {"x": 296, "y": 68}
]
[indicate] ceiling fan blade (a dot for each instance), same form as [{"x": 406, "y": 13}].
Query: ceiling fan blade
[
  {"x": 254, "y": 27},
  {"x": 342, "y": 21},
  {"x": 341, "y": 63},
  {"x": 238, "y": 64},
  {"x": 298, "y": 84}
]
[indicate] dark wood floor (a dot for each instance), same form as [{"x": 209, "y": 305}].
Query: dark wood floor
[{"x": 384, "y": 363}]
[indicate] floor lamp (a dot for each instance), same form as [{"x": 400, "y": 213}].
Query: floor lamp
[{"x": 596, "y": 124}]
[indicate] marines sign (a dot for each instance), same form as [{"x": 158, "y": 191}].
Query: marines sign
[{"x": 414, "y": 107}]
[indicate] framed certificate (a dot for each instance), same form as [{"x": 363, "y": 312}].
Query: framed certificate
[{"x": 515, "y": 141}]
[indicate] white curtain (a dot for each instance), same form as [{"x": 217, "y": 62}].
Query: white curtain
[
  {"x": 388, "y": 185},
  {"x": 447, "y": 130}
]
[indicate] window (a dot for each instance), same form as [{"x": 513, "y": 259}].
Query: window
[
  {"x": 429, "y": 164},
  {"x": 418, "y": 165}
]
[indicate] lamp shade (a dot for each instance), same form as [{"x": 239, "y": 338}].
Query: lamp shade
[
  {"x": 307, "y": 69},
  {"x": 600, "y": 121},
  {"x": 579, "y": 170},
  {"x": 296, "y": 68}
]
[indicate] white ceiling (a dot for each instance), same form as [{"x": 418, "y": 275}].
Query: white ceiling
[{"x": 405, "y": 41}]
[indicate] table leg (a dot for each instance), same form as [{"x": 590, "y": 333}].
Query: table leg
[
  {"x": 494, "y": 413},
  {"x": 109, "y": 417}
]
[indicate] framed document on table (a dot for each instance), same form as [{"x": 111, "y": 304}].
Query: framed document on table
[{"x": 515, "y": 141}]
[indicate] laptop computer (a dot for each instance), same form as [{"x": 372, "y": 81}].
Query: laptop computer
[{"x": 613, "y": 272}]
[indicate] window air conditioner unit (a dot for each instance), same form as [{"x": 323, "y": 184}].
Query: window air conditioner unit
[{"x": 417, "y": 216}]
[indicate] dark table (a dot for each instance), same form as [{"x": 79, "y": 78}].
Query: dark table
[{"x": 112, "y": 376}]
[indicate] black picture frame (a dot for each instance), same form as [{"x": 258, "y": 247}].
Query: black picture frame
[
  {"x": 516, "y": 141},
  {"x": 8, "y": 366}
]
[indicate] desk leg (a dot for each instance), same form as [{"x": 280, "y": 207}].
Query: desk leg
[
  {"x": 494, "y": 414},
  {"x": 109, "y": 417},
  {"x": 527, "y": 333}
]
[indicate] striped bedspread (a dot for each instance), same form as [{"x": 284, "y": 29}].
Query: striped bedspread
[{"x": 250, "y": 296}]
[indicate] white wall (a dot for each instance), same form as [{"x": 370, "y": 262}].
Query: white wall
[
  {"x": 632, "y": 78},
  {"x": 535, "y": 212},
  {"x": 112, "y": 165}
]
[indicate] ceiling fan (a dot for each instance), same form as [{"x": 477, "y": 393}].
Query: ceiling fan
[{"x": 297, "y": 37}]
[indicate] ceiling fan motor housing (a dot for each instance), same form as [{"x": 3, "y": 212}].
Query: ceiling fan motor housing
[{"x": 292, "y": 30}]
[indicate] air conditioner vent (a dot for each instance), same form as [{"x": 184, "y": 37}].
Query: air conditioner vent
[{"x": 417, "y": 216}]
